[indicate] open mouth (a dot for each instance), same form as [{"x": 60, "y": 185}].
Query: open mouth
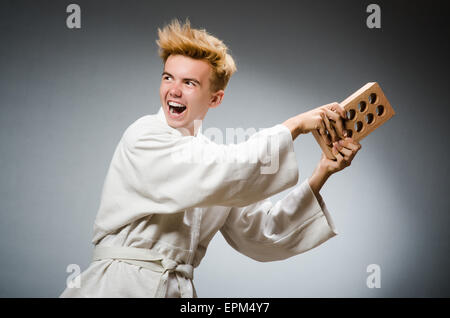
[{"x": 176, "y": 108}]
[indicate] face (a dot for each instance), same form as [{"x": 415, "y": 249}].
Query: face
[{"x": 185, "y": 91}]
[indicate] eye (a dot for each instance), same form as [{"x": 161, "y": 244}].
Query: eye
[
  {"x": 166, "y": 77},
  {"x": 190, "y": 83}
]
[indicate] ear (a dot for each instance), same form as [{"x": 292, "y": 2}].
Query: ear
[{"x": 216, "y": 98}]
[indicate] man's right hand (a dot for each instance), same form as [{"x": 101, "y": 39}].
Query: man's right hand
[{"x": 327, "y": 119}]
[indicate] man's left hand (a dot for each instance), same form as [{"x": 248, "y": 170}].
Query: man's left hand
[{"x": 344, "y": 150}]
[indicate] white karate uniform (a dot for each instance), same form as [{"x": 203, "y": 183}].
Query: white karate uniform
[{"x": 158, "y": 212}]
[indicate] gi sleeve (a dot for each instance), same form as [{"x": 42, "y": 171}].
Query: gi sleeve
[
  {"x": 174, "y": 173},
  {"x": 267, "y": 232}
]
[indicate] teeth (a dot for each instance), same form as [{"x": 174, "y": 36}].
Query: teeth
[{"x": 175, "y": 104}]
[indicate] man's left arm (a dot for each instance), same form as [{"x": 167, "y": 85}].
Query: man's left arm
[
  {"x": 269, "y": 232},
  {"x": 295, "y": 224}
]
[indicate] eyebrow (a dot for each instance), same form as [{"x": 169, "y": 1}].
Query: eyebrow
[{"x": 184, "y": 79}]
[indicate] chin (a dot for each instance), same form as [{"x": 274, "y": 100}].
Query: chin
[{"x": 172, "y": 122}]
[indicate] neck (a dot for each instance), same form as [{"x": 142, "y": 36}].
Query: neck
[{"x": 193, "y": 129}]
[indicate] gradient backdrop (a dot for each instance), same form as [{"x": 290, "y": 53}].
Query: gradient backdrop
[{"x": 66, "y": 97}]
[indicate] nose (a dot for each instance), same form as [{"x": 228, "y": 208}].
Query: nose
[{"x": 175, "y": 90}]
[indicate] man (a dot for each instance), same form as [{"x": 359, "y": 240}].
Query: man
[{"x": 160, "y": 209}]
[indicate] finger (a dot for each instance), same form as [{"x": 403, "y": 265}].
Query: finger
[
  {"x": 338, "y": 156},
  {"x": 338, "y": 108},
  {"x": 339, "y": 126},
  {"x": 331, "y": 114},
  {"x": 320, "y": 125},
  {"x": 347, "y": 153},
  {"x": 329, "y": 127},
  {"x": 349, "y": 143},
  {"x": 323, "y": 132},
  {"x": 335, "y": 153}
]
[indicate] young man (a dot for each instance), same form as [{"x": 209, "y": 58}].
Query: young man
[{"x": 159, "y": 210}]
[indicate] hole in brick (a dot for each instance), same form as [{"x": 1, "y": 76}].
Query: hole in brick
[
  {"x": 380, "y": 110},
  {"x": 372, "y": 98},
  {"x": 369, "y": 118},
  {"x": 351, "y": 114},
  {"x": 362, "y": 106},
  {"x": 358, "y": 126},
  {"x": 349, "y": 133}
]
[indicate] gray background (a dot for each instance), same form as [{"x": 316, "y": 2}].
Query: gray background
[{"x": 66, "y": 97}]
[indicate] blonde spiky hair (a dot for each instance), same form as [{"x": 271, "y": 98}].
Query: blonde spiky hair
[{"x": 198, "y": 44}]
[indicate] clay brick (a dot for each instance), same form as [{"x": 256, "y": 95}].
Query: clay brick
[{"x": 367, "y": 109}]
